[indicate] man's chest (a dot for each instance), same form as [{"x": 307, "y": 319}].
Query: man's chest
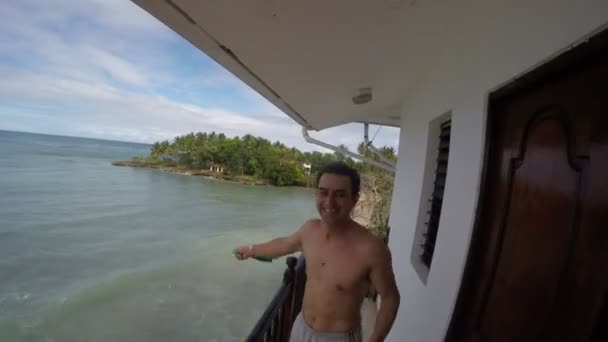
[{"x": 335, "y": 264}]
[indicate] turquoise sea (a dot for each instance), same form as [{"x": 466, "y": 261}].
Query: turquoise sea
[{"x": 95, "y": 252}]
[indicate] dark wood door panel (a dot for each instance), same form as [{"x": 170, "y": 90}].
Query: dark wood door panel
[
  {"x": 538, "y": 265},
  {"x": 537, "y": 231}
]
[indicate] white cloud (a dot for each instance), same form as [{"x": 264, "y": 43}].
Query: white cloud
[
  {"x": 118, "y": 114},
  {"x": 119, "y": 68}
]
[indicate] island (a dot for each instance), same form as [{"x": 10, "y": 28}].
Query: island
[{"x": 246, "y": 160}]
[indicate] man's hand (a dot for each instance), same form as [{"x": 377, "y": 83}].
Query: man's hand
[{"x": 243, "y": 252}]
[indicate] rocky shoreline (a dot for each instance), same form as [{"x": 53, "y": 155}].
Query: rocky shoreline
[{"x": 191, "y": 172}]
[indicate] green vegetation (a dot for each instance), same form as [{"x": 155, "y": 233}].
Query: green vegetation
[
  {"x": 376, "y": 190},
  {"x": 246, "y": 157}
]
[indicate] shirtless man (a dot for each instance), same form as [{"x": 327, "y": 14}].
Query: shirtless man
[{"x": 342, "y": 260}]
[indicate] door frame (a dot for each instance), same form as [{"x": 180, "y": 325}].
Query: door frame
[{"x": 536, "y": 77}]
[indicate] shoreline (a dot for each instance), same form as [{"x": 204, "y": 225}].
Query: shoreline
[{"x": 245, "y": 180}]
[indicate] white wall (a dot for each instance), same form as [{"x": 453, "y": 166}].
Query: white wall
[{"x": 489, "y": 43}]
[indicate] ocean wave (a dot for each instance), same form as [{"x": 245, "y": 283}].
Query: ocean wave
[
  {"x": 183, "y": 301},
  {"x": 14, "y": 297}
]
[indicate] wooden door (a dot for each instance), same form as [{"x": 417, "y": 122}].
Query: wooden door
[{"x": 538, "y": 266}]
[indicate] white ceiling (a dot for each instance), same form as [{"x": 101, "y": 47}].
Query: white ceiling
[{"x": 309, "y": 57}]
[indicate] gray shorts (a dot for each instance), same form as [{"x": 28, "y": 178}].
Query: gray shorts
[{"x": 301, "y": 332}]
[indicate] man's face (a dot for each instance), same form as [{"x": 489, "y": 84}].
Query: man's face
[{"x": 335, "y": 200}]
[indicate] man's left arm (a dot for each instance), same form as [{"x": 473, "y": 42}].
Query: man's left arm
[{"x": 383, "y": 279}]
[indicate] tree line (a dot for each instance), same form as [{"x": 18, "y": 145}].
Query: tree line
[{"x": 250, "y": 156}]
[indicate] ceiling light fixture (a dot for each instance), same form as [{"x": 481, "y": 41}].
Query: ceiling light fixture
[{"x": 362, "y": 96}]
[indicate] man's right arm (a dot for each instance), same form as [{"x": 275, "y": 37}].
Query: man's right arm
[{"x": 275, "y": 248}]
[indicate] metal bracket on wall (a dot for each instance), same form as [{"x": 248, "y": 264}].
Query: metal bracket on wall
[
  {"x": 371, "y": 147},
  {"x": 381, "y": 164}
]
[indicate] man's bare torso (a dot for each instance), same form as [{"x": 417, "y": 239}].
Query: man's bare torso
[{"x": 337, "y": 267}]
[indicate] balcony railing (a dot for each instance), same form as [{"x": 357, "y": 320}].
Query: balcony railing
[{"x": 276, "y": 322}]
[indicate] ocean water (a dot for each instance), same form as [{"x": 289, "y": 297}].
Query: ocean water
[{"x": 95, "y": 252}]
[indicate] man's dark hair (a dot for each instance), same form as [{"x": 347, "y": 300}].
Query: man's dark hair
[{"x": 341, "y": 169}]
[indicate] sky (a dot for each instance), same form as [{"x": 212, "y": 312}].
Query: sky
[{"x": 107, "y": 69}]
